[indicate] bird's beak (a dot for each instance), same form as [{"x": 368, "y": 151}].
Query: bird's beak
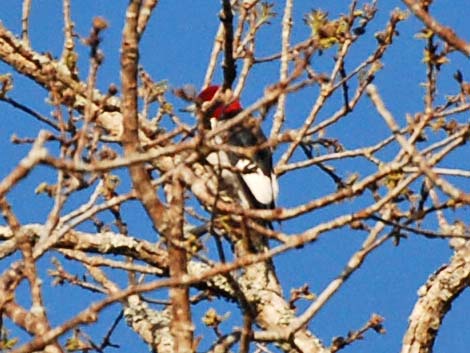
[{"x": 189, "y": 109}]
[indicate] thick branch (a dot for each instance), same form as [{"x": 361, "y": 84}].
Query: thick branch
[
  {"x": 230, "y": 71},
  {"x": 181, "y": 325},
  {"x": 145, "y": 13},
  {"x": 130, "y": 137},
  {"x": 435, "y": 299}
]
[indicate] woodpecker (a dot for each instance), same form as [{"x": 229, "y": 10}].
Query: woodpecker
[{"x": 258, "y": 183}]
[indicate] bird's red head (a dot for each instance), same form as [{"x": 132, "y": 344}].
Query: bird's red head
[{"x": 220, "y": 110}]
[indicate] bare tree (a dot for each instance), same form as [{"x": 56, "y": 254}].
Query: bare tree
[{"x": 208, "y": 246}]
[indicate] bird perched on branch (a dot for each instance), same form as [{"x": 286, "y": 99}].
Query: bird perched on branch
[{"x": 258, "y": 186}]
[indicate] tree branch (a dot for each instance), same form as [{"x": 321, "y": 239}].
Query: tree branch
[
  {"x": 229, "y": 66},
  {"x": 446, "y": 33},
  {"x": 435, "y": 299}
]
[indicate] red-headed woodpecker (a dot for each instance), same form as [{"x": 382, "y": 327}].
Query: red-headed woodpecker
[{"x": 256, "y": 177}]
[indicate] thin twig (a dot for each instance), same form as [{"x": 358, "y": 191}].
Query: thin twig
[
  {"x": 279, "y": 115},
  {"x": 353, "y": 264},
  {"x": 24, "y": 167},
  {"x": 446, "y": 33},
  {"x": 96, "y": 58},
  {"x": 68, "y": 55},
  {"x": 411, "y": 150},
  {"x": 212, "y": 63},
  {"x": 29, "y": 111}
]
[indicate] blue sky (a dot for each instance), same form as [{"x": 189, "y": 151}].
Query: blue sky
[{"x": 176, "y": 48}]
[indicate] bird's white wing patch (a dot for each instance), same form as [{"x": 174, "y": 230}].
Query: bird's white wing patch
[{"x": 263, "y": 187}]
